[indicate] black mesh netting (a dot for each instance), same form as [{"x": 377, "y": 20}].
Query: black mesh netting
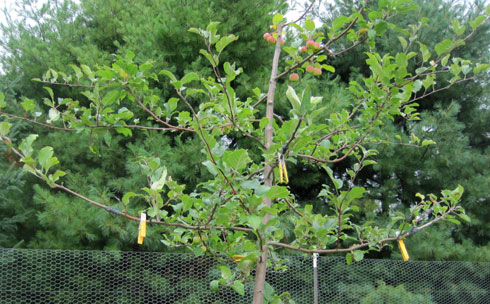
[{"x": 60, "y": 276}]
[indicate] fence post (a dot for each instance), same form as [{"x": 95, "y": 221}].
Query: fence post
[{"x": 315, "y": 278}]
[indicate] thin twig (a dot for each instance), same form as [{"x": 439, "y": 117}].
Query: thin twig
[
  {"x": 302, "y": 15},
  {"x": 36, "y": 122},
  {"x": 435, "y": 91},
  {"x": 298, "y": 212},
  {"x": 140, "y": 103}
]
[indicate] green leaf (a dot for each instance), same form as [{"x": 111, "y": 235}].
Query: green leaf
[
  {"x": 256, "y": 186},
  {"x": 369, "y": 162},
  {"x": 78, "y": 72},
  {"x": 54, "y": 177},
  {"x": 161, "y": 174},
  {"x": 445, "y": 59},
  {"x": 424, "y": 51},
  {"x": 53, "y": 114},
  {"x": 28, "y": 104},
  {"x": 381, "y": 27},
  {"x": 464, "y": 217},
  {"x": 328, "y": 68},
  {"x": 348, "y": 258},
  {"x": 276, "y": 19},
  {"x": 195, "y": 30},
  {"x": 457, "y": 28},
  {"x": 277, "y": 192},
  {"x": 306, "y": 99},
  {"x": 168, "y": 74},
  {"x": 124, "y": 131},
  {"x": 212, "y": 26},
  {"x": 127, "y": 197},
  {"x": 224, "y": 41},
  {"x": 225, "y": 272},
  {"x": 444, "y": 46},
  {"x": 481, "y": 67},
  {"x": 237, "y": 159},
  {"x": 211, "y": 167},
  {"x": 239, "y": 287},
  {"x": 338, "y": 183},
  {"x": 356, "y": 193},
  {"x": 189, "y": 77},
  {"x": 110, "y": 97},
  {"x": 293, "y": 98},
  {"x": 310, "y": 25},
  {"x": 87, "y": 71},
  {"x": 454, "y": 221},
  {"x": 477, "y": 22},
  {"x": 427, "y": 142},
  {"x": 263, "y": 122},
  {"x": 26, "y": 145},
  {"x": 214, "y": 285},
  {"x": 44, "y": 155},
  {"x": 268, "y": 291},
  {"x": 4, "y": 128},
  {"x": 403, "y": 42},
  {"x": 358, "y": 255},
  {"x": 417, "y": 85},
  {"x": 321, "y": 58},
  {"x": 245, "y": 265},
  {"x": 254, "y": 221},
  {"x": 208, "y": 56},
  {"x": 106, "y": 74},
  {"x": 2, "y": 100}
]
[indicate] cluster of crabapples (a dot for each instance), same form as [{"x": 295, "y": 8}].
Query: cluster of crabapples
[
  {"x": 311, "y": 46},
  {"x": 271, "y": 39}
]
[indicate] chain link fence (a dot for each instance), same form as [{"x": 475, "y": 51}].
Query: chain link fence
[{"x": 61, "y": 276}]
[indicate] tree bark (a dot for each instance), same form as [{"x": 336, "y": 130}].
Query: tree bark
[{"x": 261, "y": 268}]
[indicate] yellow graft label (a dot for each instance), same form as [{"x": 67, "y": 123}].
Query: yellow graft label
[
  {"x": 283, "y": 171},
  {"x": 142, "y": 228},
  {"x": 286, "y": 178},
  {"x": 238, "y": 257},
  {"x": 403, "y": 250},
  {"x": 280, "y": 172}
]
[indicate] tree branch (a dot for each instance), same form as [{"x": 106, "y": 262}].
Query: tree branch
[
  {"x": 302, "y": 15},
  {"x": 435, "y": 91},
  {"x": 298, "y": 212},
  {"x": 363, "y": 245},
  {"x": 37, "y": 123},
  {"x": 140, "y": 103}
]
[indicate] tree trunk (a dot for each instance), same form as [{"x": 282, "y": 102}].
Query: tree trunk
[{"x": 261, "y": 267}]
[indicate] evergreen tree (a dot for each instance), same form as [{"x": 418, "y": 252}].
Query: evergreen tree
[
  {"x": 59, "y": 34},
  {"x": 455, "y": 118}
]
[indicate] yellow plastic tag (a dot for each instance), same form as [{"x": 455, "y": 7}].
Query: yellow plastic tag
[
  {"x": 286, "y": 178},
  {"x": 142, "y": 228},
  {"x": 238, "y": 257},
  {"x": 280, "y": 172},
  {"x": 403, "y": 250}
]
